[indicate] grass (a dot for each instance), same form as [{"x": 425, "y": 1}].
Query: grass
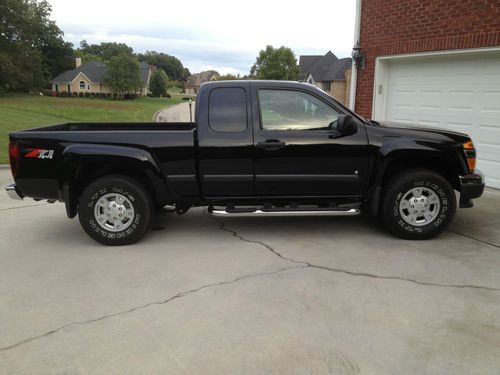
[{"x": 23, "y": 111}]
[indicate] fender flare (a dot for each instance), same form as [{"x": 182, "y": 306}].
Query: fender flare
[
  {"x": 402, "y": 149},
  {"x": 75, "y": 156}
]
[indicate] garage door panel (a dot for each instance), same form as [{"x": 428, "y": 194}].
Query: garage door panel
[{"x": 457, "y": 92}]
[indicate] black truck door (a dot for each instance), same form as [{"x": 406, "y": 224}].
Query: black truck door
[
  {"x": 225, "y": 140},
  {"x": 298, "y": 151}
]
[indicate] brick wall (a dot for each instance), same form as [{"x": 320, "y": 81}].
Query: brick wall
[{"x": 390, "y": 27}]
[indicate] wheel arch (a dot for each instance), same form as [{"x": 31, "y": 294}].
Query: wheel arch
[
  {"x": 82, "y": 164},
  {"x": 396, "y": 161}
]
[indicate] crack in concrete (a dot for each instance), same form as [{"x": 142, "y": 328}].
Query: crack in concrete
[
  {"x": 145, "y": 306},
  {"x": 474, "y": 238},
  {"x": 27, "y": 206},
  {"x": 223, "y": 227}
]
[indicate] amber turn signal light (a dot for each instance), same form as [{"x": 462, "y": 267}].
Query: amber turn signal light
[{"x": 470, "y": 154}]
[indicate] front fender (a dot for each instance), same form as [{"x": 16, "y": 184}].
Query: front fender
[{"x": 411, "y": 153}]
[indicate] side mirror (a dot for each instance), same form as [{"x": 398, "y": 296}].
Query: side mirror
[{"x": 346, "y": 125}]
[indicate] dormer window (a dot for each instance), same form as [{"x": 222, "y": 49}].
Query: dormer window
[{"x": 82, "y": 85}]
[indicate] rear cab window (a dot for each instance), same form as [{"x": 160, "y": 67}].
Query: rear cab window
[{"x": 227, "y": 110}]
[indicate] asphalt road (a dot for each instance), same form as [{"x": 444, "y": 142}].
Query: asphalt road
[
  {"x": 248, "y": 296},
  {"x": 175, "y": 113}
]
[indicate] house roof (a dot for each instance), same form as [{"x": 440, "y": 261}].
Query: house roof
[
  {"x": 305, "y": 62},
  {"x": 324, "y": 68},
  {"x": 95, "y": 71},
  {"x": 195, "y": 80}
]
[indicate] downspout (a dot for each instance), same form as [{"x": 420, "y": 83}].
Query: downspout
[{"x": 354, "y": 74}]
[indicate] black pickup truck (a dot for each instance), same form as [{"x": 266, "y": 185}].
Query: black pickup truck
[{"x": 259, "y": 148}]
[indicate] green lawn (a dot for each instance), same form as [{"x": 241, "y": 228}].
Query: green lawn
[{"x": 22, "y": 111}]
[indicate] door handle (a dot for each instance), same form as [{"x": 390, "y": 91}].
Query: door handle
[{"x": 271, "y": 144}]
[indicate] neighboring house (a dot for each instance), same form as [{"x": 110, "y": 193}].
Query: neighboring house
[
  {"x": 194, "y": 81},
  {"x": 89, "y": 78},
  {"x": 329, "y": 73},
  {"x": 434, "y": 63}
]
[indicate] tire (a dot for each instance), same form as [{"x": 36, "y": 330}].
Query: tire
[
  {"x": 115, "y": 197},
  {"x": 418, "y": 204}
]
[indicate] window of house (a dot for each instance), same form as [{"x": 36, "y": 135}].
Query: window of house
[
  {"x": 227, "y": 110},
  {"x": 326, "y": 86},
  {"x": 88, "y": 87},
  {"x": 82, "y": 85},
  {"x": 57, "y": 87},
  {"x": 294, "y": 110}
]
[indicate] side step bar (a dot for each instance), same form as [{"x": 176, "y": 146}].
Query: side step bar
[{"x": 290, "y": 212}]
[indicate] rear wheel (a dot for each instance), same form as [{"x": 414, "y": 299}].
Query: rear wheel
[
  {"x": 418, "y": 204},
  {"x": 115, "y": 210}
]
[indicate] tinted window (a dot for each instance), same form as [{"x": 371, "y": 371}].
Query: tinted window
[
  {"x": 294, "y": 110},
  {"x": 227, "y": 110}
]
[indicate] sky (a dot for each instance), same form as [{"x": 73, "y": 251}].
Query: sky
[{"x": 222, "y": 35}]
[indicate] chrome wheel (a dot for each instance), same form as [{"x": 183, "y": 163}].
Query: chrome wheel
[
  {"x": 114, "y": 212},
  {"x": 419, "y": 206}
]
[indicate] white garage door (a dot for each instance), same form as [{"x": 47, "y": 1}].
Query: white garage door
[{"x": 457, "y": 92}]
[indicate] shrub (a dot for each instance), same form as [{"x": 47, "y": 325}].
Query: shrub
[
  {"x": 130, "y": 96},
  {"x": 80, "y": 94},
  {"x": 167, "y": 95},
  {"x": 108, "y": 95},
  {"x": 75, "y": 94},
  {"x": 87, "y": 95}
]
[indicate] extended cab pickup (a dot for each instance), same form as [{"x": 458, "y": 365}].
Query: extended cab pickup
[{"x": 256, "y": 148}]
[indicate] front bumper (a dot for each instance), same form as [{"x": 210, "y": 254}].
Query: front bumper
[
  {"x": 471, "y": 186},
  {"x": 13, "y": 192}
]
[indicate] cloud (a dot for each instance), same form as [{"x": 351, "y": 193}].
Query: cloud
[{"x": 223, "y": 35}]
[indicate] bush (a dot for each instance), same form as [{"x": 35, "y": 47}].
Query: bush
[
  {"x": 87, "y": 95},
  {"x": 130, "y": 96},
  {"x": 167, "y": 95},
  {"x": 75, "y": 94},
  {"x": 54, "y": 93},
  {"x": 108, "y": 95},
  {"x": 80, "y": 94}
]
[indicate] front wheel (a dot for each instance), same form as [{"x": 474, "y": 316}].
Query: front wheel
[
  {"x": 115, "y": 210},
  {"x": 418, "y": 204}
]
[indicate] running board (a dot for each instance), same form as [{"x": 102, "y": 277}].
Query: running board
[{"x": 291, "y": 212}]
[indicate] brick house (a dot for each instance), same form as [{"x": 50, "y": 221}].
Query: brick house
[
  {"x": 89, "y": 78},
  {"x": 435, "y": 63},
  {"x": 329, "y": 73}
]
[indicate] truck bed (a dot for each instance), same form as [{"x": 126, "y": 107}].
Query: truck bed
[{"x": 171, "y": 145}]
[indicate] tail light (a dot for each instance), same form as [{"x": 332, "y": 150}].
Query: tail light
[
  {"x": 14, "y": 157},
  {"x": 470, "y": 154}
]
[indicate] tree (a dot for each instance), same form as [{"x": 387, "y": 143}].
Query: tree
[
  {"x": 169, "y": 64},
  {"x": 122, "y": 74},
  {"x": 276, "y": 63},
  {"x": 228, "y": 77},
  {"x": 32, "y": 49},
  {"x": 158, "y": 83},
  {"x": 103, "y": 52}
]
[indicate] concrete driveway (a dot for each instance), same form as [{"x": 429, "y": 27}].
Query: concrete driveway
[
  {"x": 175, "y": 113},
  {"x": 248, "y": 296}
]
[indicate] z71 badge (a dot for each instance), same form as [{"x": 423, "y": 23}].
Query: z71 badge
[{"x": 39, "y": 153}]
